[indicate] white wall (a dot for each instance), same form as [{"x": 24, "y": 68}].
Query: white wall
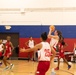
[
  {"x": 57, "y": 12},
  {"x": 36, "y": 3}
]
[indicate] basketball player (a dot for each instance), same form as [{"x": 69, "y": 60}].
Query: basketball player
[
  {"x": 30, "y": 44},
  {"x": 7, "y": 53},
  {"x": 54, "y": 38},
  {"x": 60, "y": 47},
  {"x": 1, "y": 50},
  {"x": 44, "y": 54}
]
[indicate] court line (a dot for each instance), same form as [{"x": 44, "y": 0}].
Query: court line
[{"x": 67, "y": 72}]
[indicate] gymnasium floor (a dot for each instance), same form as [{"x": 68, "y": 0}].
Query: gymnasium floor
[{"x": 23, "y": 67}]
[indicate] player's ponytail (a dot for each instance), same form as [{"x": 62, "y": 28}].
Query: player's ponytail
[{"x": 60, "y": 35}]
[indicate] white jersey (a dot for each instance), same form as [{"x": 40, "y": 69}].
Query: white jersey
[
  {"x": 53, "y": 42},
  {"x": 44, "y": 53},
  {"x": 74, "y": 51},
  {"x": 31, "y": 43},
  {"x": 1, "y": 47}
]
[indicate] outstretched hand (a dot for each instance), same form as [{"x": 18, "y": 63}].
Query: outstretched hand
[{"x": 22, "y": 50}]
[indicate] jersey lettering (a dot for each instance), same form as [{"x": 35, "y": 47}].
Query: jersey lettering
[{"x": 47, "y": 53}]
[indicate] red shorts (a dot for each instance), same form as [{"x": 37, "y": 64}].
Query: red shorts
[
  {"x": 43, "y": 67},
  {"x": 30, "y": 54},
  {"x": 7, "y": 54},
  {"x": 61, "y": 55},
  {"x": 0, "y": 54}
]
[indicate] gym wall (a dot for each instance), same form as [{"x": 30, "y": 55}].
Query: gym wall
[
  {"x": 32, "y": 17},
  {"x": 68, "y": 31}
]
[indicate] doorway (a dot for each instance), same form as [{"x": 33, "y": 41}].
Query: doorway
[{"x": 14, "y": 40}]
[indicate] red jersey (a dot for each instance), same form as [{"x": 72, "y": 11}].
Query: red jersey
[
  {"x": 8, "y": 48},
  {"x": 60, "y": 47},
  {"x": 61, "y": 51}
]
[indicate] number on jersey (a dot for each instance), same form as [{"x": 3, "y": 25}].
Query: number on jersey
[{"x": 47, "y": 53}]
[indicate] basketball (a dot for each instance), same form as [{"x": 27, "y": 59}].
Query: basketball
[{"x": 52, "y": 27}]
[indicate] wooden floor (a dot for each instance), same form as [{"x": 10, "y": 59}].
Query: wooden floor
[{"x": 23, "y": 67}]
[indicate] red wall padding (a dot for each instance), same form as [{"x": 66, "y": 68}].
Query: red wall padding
[
  {"x": 70, "y": 43},
  {"x": 22, "y": 42}
]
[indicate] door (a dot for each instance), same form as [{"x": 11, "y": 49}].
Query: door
[{"x": 14, "y": 40}]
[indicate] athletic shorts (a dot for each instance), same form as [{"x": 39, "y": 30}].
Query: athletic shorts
[
  {"x": 61, "y": 55},
  {"x": 7, "y": 54},
  {"x": 0, "y": 54},
  {"x": 43, "y": 67}
]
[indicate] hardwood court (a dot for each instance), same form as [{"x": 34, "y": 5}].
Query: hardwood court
[{"x": 23, "y": 67}]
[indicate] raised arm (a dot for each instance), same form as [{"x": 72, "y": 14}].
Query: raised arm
[{"x": 52, "y": 36}]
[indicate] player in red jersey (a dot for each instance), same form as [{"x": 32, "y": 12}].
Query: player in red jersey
[
  {"x": 61, "y": 46},
  {"x": 7, "y": 53}
]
